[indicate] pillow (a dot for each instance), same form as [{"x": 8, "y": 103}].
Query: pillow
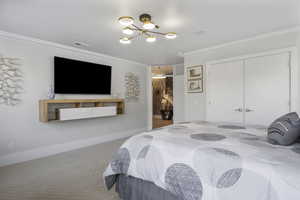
[{"x": 284, "y": 130}]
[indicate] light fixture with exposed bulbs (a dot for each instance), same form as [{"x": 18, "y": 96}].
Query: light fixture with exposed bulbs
[{"x": 145, "y": 30}]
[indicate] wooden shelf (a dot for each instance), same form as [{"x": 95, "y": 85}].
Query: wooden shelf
[{"x": 48, "y": 108}]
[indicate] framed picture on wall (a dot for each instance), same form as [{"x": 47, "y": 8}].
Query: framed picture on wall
[
  {"x": 195, "y": 86},
  {"x": 194, "y": 77},
  {"x": 195, "y": 72}
]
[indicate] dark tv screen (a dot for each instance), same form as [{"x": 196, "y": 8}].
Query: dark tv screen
[{"x": 79, "y": 77}]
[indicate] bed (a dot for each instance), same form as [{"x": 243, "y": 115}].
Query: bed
[{"x": 205, "y": 161}]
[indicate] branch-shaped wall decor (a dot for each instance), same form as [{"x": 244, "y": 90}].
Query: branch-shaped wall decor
[
  {"x": 11, "y": 79},
  {"x": 132, "y": 86}
]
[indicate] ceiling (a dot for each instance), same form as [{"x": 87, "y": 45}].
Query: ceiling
[{"x": 199, "y": 23}]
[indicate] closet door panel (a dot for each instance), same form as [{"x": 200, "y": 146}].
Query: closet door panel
[
  {"x": 267, "y": 88},
  {"x": 225, "y": 92}
]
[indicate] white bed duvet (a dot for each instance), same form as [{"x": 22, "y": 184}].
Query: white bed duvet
[{"x": 206, "y": 161}]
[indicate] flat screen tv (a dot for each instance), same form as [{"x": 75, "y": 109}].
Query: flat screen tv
[{"x": 78, "y": 77}]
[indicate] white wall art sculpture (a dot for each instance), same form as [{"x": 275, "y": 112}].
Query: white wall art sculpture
[
  {"x": 10, "y": 81},
  {"x": 132, "y": 85}
]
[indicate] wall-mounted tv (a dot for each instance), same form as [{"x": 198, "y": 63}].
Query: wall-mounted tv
[{"x": 79, "y": 77}]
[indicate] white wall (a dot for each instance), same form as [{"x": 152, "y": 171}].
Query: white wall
[
  {"x": 178, "y": 92},
  {"x": 298, "y": 47},
  {"x": 178, "y": 99},
  {"x": 195, "y": 102},
  {"x": 20, "y": 129}
]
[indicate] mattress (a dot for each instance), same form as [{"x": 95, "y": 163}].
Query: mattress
[{"x": 210, "y": 161}]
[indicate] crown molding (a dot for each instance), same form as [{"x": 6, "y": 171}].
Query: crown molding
[
  {"x": 13, "y": 36},
  {"x": 260, "y": 36}
]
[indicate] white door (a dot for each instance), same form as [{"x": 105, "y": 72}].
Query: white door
[
  {"x": 267, "y": 88},
  {"x": 225, "y": 92}
]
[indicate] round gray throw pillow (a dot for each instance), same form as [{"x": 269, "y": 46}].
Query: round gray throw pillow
[{"x": 285, "y": 130}]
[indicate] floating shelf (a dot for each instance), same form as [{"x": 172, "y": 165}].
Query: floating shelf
[{"x": 49, "y": 110}]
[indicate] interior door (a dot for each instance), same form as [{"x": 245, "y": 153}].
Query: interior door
[
  {"x": 267, "y": 88},
  {"x": 225, "y": 92}
]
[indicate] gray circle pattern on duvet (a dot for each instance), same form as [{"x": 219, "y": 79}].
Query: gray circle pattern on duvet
[
  {"x": 231, "y": 127},
  {"x": 202, "y": 122},
  {"x": 229, "y": 178},
  {"x": 259, "y": 143},
  {"x": 183, "y": 181},
  {"x": 208, "y": 137},
  {"x": 245, "y": 136},
  {"x": 222, "y": 168},
  {"x": 226, "y": 152},
  {"x": 121, "y": 161},
  {"x": 180, "y": 129}
]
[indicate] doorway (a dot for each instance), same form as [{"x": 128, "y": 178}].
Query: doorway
[{"x": 162, "y": 96}]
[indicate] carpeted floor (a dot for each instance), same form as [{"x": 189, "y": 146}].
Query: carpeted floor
[{"x": 75, "y": 175}]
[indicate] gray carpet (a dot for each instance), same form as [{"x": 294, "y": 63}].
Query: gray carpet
[{"x": 75, "y": 175}]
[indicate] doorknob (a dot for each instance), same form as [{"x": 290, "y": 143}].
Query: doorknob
[
  {"x": 248, "y": 110},
  {"x": 238, "y": 110}
]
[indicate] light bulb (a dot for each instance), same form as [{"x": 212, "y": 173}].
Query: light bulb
[
  {"x": 159, "y": 76},
  {"x": 127, "y": 31},
  {"x": 126, "y": 20},
  {"x": 171, "y": 35},
  {"x": 148, "y": 25},
  {"x": 151, "y": 39},
  {"x": 125, "y": 40}
]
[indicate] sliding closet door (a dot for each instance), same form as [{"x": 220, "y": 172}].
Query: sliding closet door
[
  {"x": 267, "y": 88},
  {"x": 225, "y": 92}
]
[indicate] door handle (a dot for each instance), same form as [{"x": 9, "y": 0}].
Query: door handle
[
  {"x": 238, "y": 110},
  {"x": 249, "y": 110}
]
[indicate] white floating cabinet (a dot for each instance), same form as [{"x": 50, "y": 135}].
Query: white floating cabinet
[{"x": 85, "y": 113}]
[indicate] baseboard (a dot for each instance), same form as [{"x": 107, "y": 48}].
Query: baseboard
[{"x": 60, "y": 148}]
